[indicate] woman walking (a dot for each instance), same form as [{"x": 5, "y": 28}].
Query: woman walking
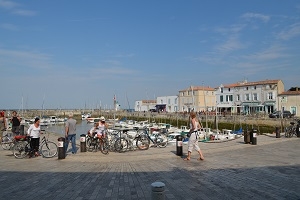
[{"x": 194, "y": 135}]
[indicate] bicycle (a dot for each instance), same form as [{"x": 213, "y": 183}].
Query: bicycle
[
  {"x": 8, "y": 141},
  {"x": 47, "y": 148},
  {"x": 94, "y": 143},
  {"x": 144, "y": 138},
  {"x": 291, "y": 130}
]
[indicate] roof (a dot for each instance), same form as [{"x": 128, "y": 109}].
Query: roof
[
  {"x": 245, "y": 83},
  {"x": 289, "y": 93},
  {"x": 149, "y": 101},
  {"x": 197, "y": 88}
]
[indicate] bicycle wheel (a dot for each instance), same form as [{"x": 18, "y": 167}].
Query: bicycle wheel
[
  {"x": 6, "y": 143},
  {"x": 143, "y": 143},
  {"x": 104, "y": 146},
  {"x": 162, "y": 140},
  {"x": 49, "y": 149},
  {"x": 287, "y": 131},
  {"x": 21, "y": 149},
  {"x": 121, "y": 145}
]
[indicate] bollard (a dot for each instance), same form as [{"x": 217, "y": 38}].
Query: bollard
[
  {"x": 298, "y": 129},
  {"x": 158, "y": 191},
  {"x": 179, "y": 145},
  {"x": 277, "y": 132},
  {"x": 254, "y": 137},
  {"x": 246, "y": 136},
  {"x": 82, "y": 143},
  {"x": 251, "y": 136},
  {"x": 61, "y": 148}
]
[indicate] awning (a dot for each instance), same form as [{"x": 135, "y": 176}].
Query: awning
[
  {"x": 269, "y": 103},
  {"x": 251, "y": 104}
]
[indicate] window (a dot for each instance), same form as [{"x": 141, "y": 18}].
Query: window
[
  {"x": 247, "y": 97},
  {"x": 270, "y": 96},
  {"x": 188, "y": 92},
  {"x": 176, "y": 101},
  {"x": 221, "y": 90},
  {"x": 169, "y": 101},
  {"x": 229, "y": 98},
  {"x": 182, "y": 93},
  {"x": 247, "y": 88},
  {"x": 228, "y": 89},
  {"x": 238, "y": 97},
  {"x": 221, "y": 98},
  {"x": 255, "y": 97}
]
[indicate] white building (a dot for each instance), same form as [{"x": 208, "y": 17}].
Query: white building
[
  {"x": 249, "y": 97},
  {"x": 144, "y": 105},
  {"x": 167, "y": 103}
]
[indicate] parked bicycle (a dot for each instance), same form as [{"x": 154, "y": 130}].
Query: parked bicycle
[
  {"x": 8, "y": 140},
  {"x": 95, "y": 143},
  {"x": 22, "y": 148},
  {"x": 291, "y": 130},
  {"x": 144, "y": 139}
]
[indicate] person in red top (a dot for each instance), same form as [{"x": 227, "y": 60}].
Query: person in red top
[{"x": 2, "y": 124}]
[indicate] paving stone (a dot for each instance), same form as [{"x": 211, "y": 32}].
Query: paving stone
[{"x": 231, "y": 170}]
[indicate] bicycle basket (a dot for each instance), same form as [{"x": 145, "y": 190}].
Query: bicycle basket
[{"x": 20, "y": 137}]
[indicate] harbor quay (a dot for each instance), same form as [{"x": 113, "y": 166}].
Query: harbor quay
[{"x": 231, "y": 170}]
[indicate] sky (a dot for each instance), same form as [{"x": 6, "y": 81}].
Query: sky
[{"x": 59, "y": 54}]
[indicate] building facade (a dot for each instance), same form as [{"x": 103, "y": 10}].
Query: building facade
[
  {"x": 250, "y": 97},
  {"x": 290, "y": 100},
  {"x": 167, "y": 104},
  {"x": 144, "y": 105},
  {"x": 197, "y": 98}
]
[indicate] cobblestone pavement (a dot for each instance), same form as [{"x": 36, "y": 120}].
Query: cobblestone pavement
[{"x": 231, "y": 170}]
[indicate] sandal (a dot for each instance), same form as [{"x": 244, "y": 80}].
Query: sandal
[
  {"x": 200, "y": 158},
  {"x": 186, "y": 159}
]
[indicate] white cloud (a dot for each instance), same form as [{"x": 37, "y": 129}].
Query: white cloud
[
  {"x": 24, "y": 12},
  {"x": 8, "y": 4},
  {"x": 14, "y": 8},
  {"x": 250, "y": 16},
  {"x": 15, "y": 58},
  {"x": 290, "y": 32},
  {"x": 10, "y": 27},
  {"x": 272, "y": 53},
  {"x": 231, "y": 44}
]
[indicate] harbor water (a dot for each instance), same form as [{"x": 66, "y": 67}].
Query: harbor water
[{"x": 82, "y": 127}]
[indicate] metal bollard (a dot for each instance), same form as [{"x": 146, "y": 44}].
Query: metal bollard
[
  {"x": 82, "y": 143},
  {"x": 246, "y": 136},
  {"x": 158, "y": 191},
  {"x": 277, "y": 132},
  {"x": 61, "y": 148},
  {"x": 179, "y": 145},
  {"x": 254, "y": 137},
  {"x": 298, "y": 130}
]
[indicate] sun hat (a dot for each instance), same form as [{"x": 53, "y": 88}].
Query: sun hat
[{"x": 102, "y": 118}]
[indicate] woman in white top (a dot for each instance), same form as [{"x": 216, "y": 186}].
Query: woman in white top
[
  {"x": 101, "y": 127},
  {"x": 193, "y": 140},
  {"x": 34, "y": 132}
]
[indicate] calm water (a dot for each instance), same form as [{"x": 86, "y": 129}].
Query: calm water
[{"x": 82, "y": 127}]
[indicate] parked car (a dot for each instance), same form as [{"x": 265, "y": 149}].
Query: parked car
[{"x": 277, "y": 114}]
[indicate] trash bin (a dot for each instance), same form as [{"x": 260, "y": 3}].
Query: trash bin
[
  {"x": 82, "y": 143},
  {"x": 246, "y": 137},
  {"x": 298, "y": 130},
  {"x": 277, "y": 132},
  {"x": 61, "y": 148},
  {"x": 179, "y": 139},
  {"x": 254, "y": 137}
]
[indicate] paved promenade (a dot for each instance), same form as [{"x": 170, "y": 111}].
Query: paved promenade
[{"x": 231, "y": 170}]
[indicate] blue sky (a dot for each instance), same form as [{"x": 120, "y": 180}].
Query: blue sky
[{"x": 77, "y": 54}]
